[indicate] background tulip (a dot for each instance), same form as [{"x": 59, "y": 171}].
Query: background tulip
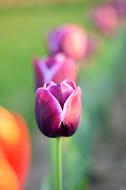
[
  {"x": 75, "y": 42},
  {"x": 14, "y": 150},
  {"x": 8, "y": 177},
  {"x": 54, "y": 68},
  {"x": 55, "y": 39},
  {"x": 106, "y": 18},
  {"x": 58, "y": 108},
  {"x": 69, "y": 39}
]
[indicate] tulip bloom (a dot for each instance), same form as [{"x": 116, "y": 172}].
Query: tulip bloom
[
  {"x": 54, "y": 68},
  {"x": 69, "y": 39},
  {"x": 14, "y": 151},
  {"x": 58, "y": 108},
  {"x": 106, "y": 18}
]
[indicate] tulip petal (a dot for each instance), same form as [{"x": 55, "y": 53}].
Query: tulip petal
[
  {"x": 9, "y": 132},
  {"x": 65, "y": 70},
  {"x": 70, "y": 83},
  {"x": 55, "y": 90},
  {"x": 75, "y": 42},
  {"x": 48, "y": 113},
  {"x": 24, "y": 155},
  {"x": 71, "y": 113},
  {"x": 8, "y": 178},
  {"x": 66, "y": 91},
  {"x": 39, "y": 74},
  {"x": 48, "y": 84},
  {"x": 54, "y": 40},
  {"x": 15, "y": 143}
]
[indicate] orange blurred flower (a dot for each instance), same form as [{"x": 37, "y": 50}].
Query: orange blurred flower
[{"x": 15, "y": 151}]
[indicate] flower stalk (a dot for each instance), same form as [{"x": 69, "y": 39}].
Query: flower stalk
[
  {"x": 52, "y": 147},
  {"x": 59, "y": 162}
]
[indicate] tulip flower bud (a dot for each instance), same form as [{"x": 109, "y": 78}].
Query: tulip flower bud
[
  {"x": 106, "y": 18},
  {"x": 69, "y": 39},
  {"x": 54, "y": 68},
  {"x": 58, "y": 108}
]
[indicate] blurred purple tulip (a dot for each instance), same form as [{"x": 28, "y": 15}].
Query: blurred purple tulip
[
  {"x": 69, "y": 39},
  {"x": 55, "y": 40},
  {"x": 58, "y": 108},
  {"x": 54, "y": 68}
]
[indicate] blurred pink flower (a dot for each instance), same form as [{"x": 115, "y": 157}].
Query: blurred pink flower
[
  {"x": 69, "y": 39},
  {"x": 54, "y": 68},
  {"x": 106, "y": 18}
]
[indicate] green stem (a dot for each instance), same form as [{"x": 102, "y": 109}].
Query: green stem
[
  {"x": 52, "y": 147},
  {"x": 59, "y": 163}
]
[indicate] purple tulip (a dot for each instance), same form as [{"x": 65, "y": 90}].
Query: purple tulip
[
  {"x": 68, "y": 39},
  {"x": 58, "y": 108},
  {"x": 54, "y": 68},
  {"x": 55, "y": 39}
]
